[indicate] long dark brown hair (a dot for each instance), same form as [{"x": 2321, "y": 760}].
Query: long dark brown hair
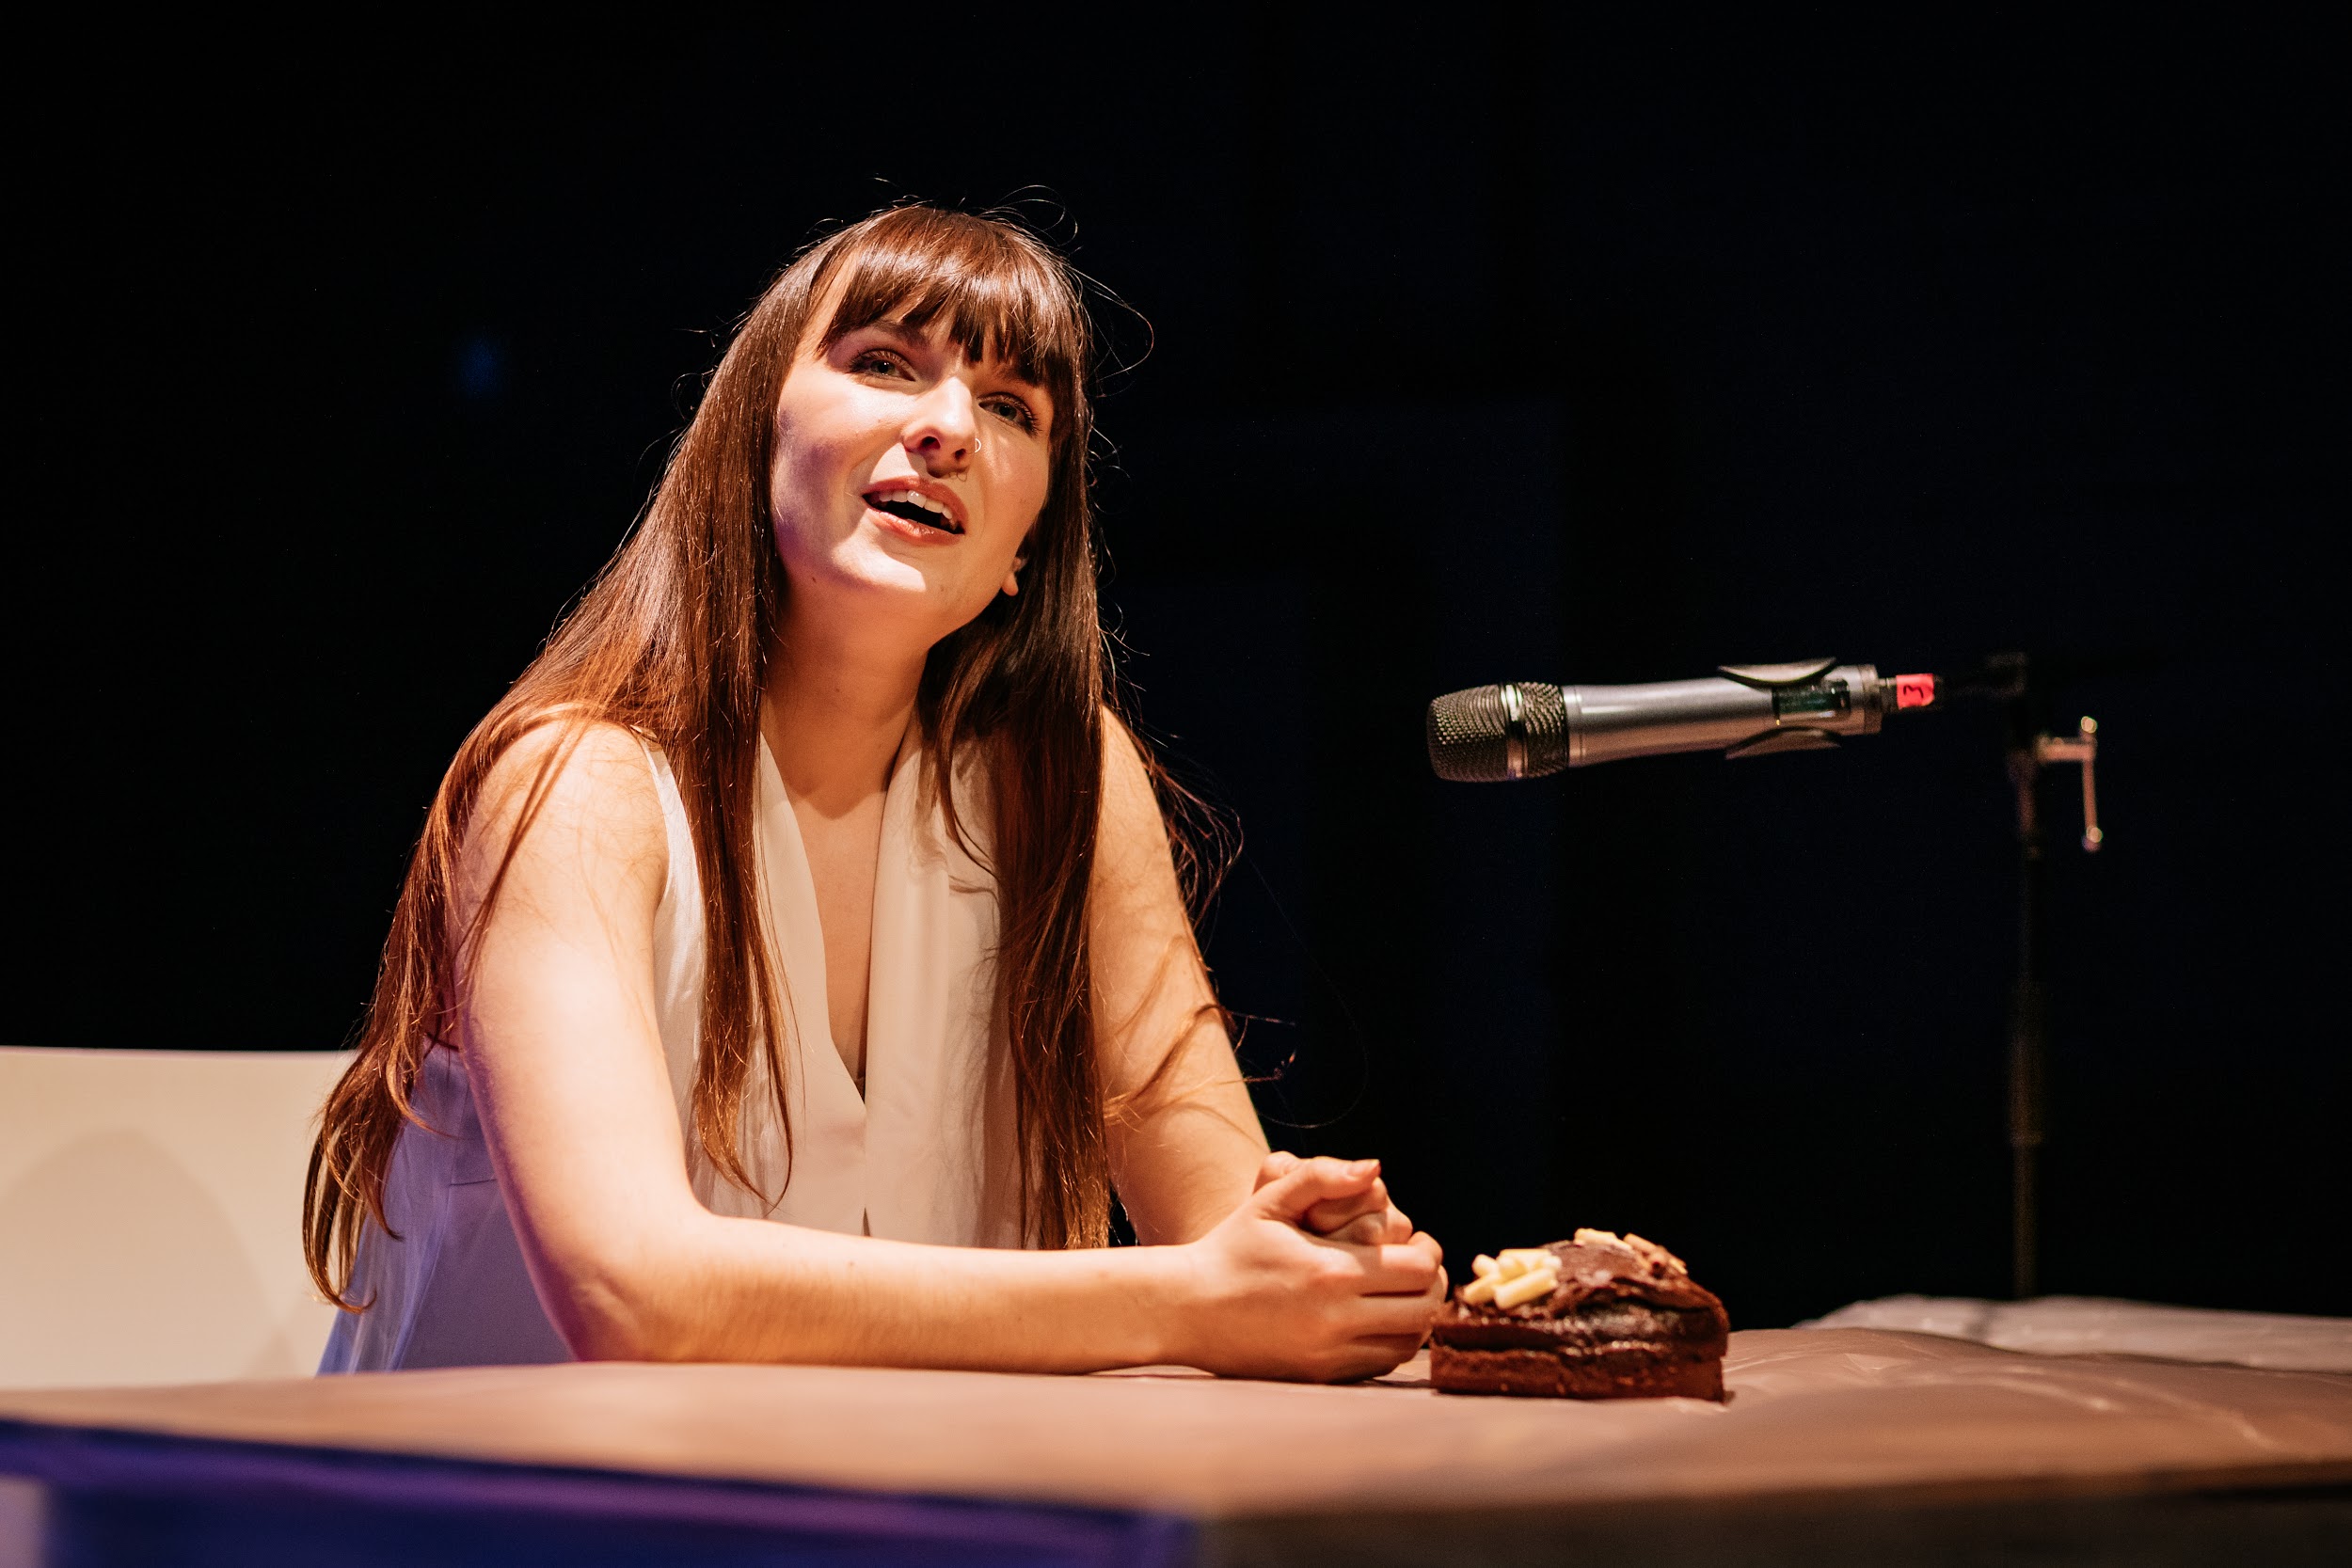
[{"x": 673, "y": 642}]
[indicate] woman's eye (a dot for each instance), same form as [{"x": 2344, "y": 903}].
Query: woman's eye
[
  {"x": 877, "y": 361},
  {"x": 1014, "y": 409}
]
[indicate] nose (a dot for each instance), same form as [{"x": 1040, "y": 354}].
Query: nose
[{"x": 945, "y": 432}]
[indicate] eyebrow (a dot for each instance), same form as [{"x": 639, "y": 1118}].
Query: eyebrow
[
  {"x": 893, "y": 328},
  {"x": 889, "y": 326}
]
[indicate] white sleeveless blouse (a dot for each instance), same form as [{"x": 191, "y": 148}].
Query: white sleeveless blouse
[{"x": 924, "y": 1155}]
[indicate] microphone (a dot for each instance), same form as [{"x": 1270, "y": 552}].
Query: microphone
[{"x": 1524, "y": 730}]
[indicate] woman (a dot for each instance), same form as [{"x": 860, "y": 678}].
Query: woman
[{"x": 823, "y": 762}]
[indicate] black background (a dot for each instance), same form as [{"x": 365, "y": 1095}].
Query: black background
[{"x": 1536, "y": 352}]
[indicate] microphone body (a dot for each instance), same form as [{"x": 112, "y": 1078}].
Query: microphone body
[{"x": 1523, "y": 730}]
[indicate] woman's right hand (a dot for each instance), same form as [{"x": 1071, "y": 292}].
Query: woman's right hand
[{"x": 1271, "y": 1299}]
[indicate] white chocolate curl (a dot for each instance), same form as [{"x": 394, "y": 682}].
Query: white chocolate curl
[
  {"x": 1527, "y": 1286},
  {"x": 1517, "y": 1275}
]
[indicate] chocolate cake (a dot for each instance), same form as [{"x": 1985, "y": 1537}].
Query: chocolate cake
[{"x": 1598, "y": 1317}]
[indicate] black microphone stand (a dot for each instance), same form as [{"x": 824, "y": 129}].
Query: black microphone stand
[{"x": 2010, "y": 679}]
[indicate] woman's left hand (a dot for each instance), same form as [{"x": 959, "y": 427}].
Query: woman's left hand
[{"x": 1368, "y": 1219}]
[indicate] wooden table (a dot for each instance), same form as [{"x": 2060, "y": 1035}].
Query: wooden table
[{"x": 1837, "y": 1443}]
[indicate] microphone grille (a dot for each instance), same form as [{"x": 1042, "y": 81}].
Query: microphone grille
[{"x": 1473, "y": 735}]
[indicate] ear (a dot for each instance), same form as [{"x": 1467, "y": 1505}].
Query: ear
[{"x": 1012, "y": 578}]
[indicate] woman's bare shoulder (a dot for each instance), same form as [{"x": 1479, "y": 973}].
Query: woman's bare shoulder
[
  {"x": 581, "y": 794},
  {"x": 1131, "y": 836}
]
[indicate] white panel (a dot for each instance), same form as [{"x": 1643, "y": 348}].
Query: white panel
[{"x": 150, "y": 1215}]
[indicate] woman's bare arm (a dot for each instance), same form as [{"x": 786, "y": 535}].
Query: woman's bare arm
[
  {"x": 1186, "y": 1143},
  {"x": 1185, "y": 1139},
  {"x": 566, "y": 1062}
]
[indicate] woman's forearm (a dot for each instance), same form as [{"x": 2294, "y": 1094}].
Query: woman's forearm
[
  {"x": 1260, "y": 1295},
  {"x": 739, "y": 1290}
]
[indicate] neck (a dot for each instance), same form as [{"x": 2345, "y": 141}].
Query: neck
[{"x": 836, "y": 711}]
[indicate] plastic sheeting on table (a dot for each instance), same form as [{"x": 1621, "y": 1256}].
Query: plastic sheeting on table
[{"x": 2092, "y": 1325}]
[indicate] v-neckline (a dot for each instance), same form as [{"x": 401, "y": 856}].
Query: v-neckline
[{"x": 773, "y": 776}]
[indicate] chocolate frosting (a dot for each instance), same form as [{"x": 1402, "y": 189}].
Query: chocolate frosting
[{"x": 1600, "y": 1275}]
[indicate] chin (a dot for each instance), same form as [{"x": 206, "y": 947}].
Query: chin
[{"x": 882, "y": 585}]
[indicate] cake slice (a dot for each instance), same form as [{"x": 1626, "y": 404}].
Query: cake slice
[{"x": 1597, "y": 1316}]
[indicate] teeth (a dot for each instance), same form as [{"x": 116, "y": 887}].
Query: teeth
[{"x": 914, "y": 498}]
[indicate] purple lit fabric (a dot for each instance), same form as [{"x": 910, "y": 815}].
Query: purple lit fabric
[{"x": 120, "y": 1496}]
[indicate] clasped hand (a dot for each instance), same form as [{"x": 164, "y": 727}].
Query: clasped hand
[{"x": 1317, "y": 1275}]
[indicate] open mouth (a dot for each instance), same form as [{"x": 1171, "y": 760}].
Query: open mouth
[{"x": 918, "y": 509}]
